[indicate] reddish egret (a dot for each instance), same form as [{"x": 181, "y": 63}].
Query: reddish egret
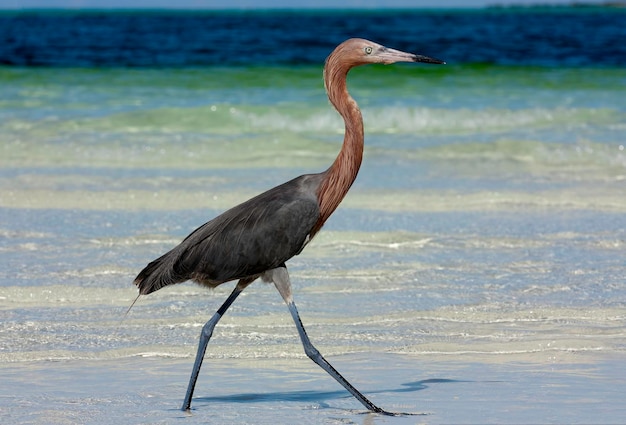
[{"x": 256, "y": 238}]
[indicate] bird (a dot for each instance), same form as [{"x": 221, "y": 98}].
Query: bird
[{"x": 257, "y": 237}]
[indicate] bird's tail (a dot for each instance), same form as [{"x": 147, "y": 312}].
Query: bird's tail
[{"x": 158, "y": 273}]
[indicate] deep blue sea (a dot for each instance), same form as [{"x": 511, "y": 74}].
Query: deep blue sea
[
  {"x": 475, "y": 271},
  {"x": 530, "y": 36}
]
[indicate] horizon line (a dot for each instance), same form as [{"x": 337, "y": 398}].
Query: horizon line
[
  {"x": 575, "y": 5},
  {"x": 495, "y": 5}
]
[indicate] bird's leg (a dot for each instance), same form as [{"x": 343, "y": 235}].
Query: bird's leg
[
  {"x": 280, "y": 277},
  {"x": 205, "y": 336}
]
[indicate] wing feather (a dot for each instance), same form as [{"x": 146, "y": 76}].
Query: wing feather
[{"x": 250, "y": 238}]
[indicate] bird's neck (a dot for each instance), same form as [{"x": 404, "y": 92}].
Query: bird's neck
[{"x": 342, "y": 173}]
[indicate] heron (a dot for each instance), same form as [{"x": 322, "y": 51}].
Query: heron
[{"x": 256, "y": 238}]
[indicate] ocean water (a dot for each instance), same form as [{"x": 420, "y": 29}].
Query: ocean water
[{"x": 475, "y": 271}]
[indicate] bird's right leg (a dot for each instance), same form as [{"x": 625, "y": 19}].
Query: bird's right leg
[
  {"x": 280, "y": 277},
  {"x": 205, "y": 336}
]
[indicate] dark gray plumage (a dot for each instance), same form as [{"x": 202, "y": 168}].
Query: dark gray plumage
[{"x": 244, "y": 241}]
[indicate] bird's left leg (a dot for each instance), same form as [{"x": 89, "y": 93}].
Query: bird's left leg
[
  {"x": 280, "y": 277},
  {"x": 205, "y": 336}
]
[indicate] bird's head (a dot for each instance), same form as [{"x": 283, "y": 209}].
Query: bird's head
[{"x": 358, "y": 51}]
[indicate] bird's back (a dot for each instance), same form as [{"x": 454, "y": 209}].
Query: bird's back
[{"x": 250, "y": 238}]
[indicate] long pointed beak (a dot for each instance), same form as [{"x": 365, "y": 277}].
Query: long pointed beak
[{"x": 391, "y": 55}]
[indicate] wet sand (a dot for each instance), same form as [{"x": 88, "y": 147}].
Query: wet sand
[{"x": 571, "y": 388}]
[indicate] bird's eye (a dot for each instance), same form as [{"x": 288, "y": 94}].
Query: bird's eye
[{"x": 368, "y": 50}]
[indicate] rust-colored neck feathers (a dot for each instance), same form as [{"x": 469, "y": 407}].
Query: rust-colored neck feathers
[{"x": 342, "y": 173}]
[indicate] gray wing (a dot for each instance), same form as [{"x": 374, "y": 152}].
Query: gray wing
[{"x": 257, "y": 235}]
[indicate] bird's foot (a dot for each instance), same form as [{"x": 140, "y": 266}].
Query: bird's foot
[{"x": 387, "y": 413}]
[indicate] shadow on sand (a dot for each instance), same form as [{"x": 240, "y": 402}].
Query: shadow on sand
[{"x": 317, "y": 396}]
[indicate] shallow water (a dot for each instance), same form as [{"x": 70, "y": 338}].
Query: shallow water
[
  {"x": 145, "y": 390},
  {"x": 475, "y": 271}
]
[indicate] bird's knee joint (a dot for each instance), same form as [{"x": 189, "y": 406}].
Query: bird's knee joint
[
  {"x": 311, "y": 352},
  {"x": 207, "y": 329},
  {"x": 206, "y": 333}
]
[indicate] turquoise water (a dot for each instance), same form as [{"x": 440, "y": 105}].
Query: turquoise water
[{"x": 482, "y": 242}]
